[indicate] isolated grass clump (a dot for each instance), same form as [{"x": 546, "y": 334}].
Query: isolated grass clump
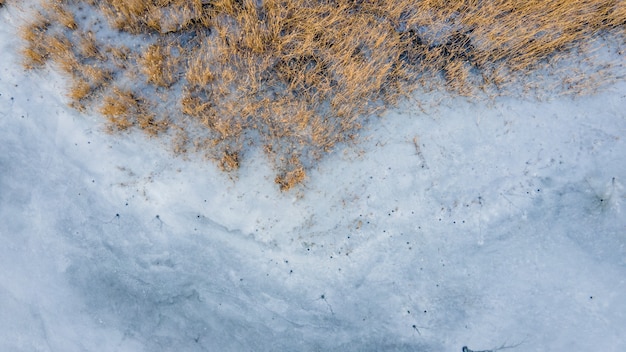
[{"x": 296, "y": 77}]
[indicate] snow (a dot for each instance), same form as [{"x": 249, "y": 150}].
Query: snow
[{"x": 505, "y": 228}]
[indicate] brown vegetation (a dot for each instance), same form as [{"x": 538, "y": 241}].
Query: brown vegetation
[
  {"x": 297, "y": 77},
  {"x": 159, "y": 65},
  {"x": 125, "y": 109}
]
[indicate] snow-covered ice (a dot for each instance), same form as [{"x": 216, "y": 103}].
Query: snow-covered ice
[{"x": 483, "y": 224}]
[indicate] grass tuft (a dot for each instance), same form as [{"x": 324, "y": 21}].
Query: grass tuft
[{"x": 159, "y": 65}]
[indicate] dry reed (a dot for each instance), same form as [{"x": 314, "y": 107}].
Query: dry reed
[{"x": 299, "y": 77}]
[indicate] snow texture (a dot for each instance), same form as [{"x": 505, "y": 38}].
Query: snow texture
[{"x": 483, "y": 224}]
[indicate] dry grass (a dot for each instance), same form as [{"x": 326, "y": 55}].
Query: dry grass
[
  {"x": 59, "y": 13},
  {"x": 288, "y": 179},
  {"x": 297, "y": 77},
  {"x": 160, "y": 65},
  {"x": 124, "y": 109},
  {"x": 79, "y": 90},
  {"x": 34, "y": 34},
  {"x": 89, "y": 48}
]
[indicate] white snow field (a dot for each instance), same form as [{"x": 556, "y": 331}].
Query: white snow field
[{"x": 505, "y": 228}]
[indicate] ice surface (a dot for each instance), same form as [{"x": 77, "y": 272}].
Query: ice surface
[{"x": 486, "y": 224}]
